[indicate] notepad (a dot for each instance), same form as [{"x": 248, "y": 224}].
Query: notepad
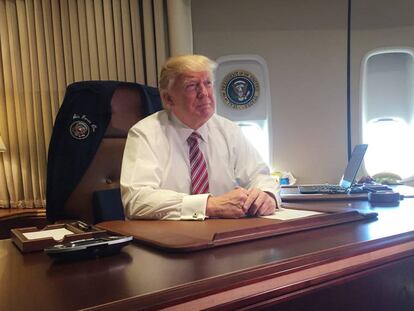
[
  {"x": 56, "y": 234},
  {"x": 288, "y": 214}
]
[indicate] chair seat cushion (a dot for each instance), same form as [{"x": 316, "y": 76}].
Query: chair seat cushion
[{"x": 107, "y": 205}]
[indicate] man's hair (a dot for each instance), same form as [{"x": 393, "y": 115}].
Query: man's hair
[{"x": 183, "y": 64}]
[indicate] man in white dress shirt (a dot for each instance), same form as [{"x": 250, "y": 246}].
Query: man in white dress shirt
[{"x": 157, "y": 178}]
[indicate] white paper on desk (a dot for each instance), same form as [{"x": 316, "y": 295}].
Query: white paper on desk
[
  {"x": 288, "y": 214},
  {"x": 56, "y": 234}
]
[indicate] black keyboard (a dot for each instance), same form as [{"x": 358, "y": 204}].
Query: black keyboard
[{"x": 322, "y": 189}]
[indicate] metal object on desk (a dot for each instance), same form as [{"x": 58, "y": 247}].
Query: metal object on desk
[
  {"x": 85, "y": 248},
  {"x": 384, "y": 197}
]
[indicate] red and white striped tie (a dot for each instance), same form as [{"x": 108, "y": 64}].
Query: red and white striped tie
[{"x": 199, "y": 175}]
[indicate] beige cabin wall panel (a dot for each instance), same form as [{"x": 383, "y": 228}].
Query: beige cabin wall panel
[{"x": 304, "y": 45}]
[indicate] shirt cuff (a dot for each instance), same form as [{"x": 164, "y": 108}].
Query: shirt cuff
[
  {"x": 276, "y": 196},
  {"x": 194, "y": 207}
]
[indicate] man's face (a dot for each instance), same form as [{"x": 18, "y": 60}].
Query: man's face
[{"x": 191, "y": 98}]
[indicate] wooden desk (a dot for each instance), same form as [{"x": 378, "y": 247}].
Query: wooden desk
[{"x": 353, "y": 266}]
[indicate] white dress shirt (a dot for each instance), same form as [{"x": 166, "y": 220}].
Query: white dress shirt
[{"x": 155, "y": 175}]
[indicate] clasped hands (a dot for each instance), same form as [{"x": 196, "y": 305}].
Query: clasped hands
[{"x": 241, "y": 202}]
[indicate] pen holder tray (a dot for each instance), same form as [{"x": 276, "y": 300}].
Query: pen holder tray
[{"x": 30, "y": 244}]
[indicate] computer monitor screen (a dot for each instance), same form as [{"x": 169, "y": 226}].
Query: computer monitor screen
[{"x": 353, "y": 165}]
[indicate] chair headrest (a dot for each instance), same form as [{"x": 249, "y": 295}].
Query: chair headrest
[{"x": 127, "y": 109}]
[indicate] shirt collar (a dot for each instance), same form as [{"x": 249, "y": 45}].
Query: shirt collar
[{"x": 184, "y": 131}]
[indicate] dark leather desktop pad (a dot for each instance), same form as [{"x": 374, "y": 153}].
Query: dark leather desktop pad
[{"x": 184, "y": 236}]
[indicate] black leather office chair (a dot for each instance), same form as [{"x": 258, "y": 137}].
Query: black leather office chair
[{"x": 86, "y": 148}]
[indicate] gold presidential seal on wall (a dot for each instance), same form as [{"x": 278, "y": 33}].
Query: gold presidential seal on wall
[{"x": 240, "y": 89}]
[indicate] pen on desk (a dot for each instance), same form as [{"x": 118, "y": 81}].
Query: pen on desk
[{"x": 82, "y": 225}]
